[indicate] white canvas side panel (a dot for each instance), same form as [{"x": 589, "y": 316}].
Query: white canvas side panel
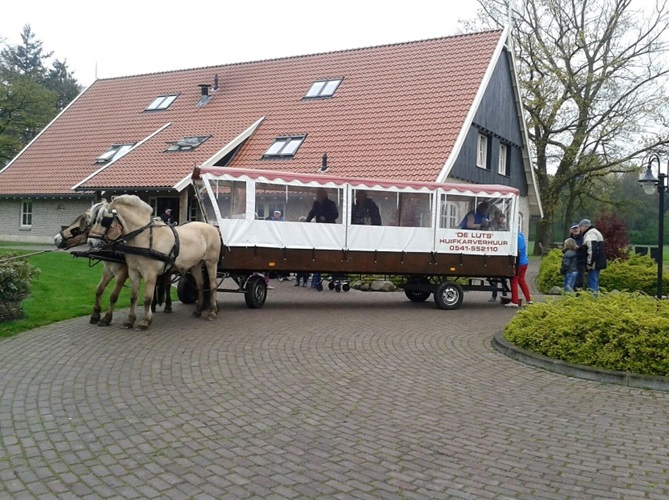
[
  {"x": 282, "y": 234},
  {"x": 475, "y": 242},
  {"x": 390, "y": 238}
]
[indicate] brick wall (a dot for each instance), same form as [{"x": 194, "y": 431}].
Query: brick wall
[{"x": 48, "y": 217}]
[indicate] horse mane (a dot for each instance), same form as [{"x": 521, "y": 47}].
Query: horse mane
[
  {"x": 133, "y": 202},
  {"x": 92, "y": 213}
]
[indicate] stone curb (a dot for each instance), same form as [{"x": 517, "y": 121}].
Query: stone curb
[{"x": 627, "y": 379}]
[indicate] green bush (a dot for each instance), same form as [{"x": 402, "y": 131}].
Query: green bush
[
  {"x": 15, "y": 277},
  {"x": 626, "y": 332},
  {"x": 638, "y": 273}
]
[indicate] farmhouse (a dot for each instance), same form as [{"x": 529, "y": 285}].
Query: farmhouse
[{"x": 445, "y": 109}]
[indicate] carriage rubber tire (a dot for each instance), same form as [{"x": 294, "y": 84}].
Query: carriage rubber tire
[
  {"x": 186, "y": 289},
  {"x": 337, "y": 288},
  {"x": 319, "y": 288},
  {"x": 331, "y": 285},
  {"x": 416, "y": 295},
  {"x": 448, "y": 295},
  {"x": 346, "y": 287},
  {"x": 255, "y": 293}
]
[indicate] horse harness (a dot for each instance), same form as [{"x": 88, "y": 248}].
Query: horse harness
[{"x": 120, "y": 244}]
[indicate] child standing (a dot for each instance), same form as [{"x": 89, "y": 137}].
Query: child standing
[{"x": 569, "y": 267}]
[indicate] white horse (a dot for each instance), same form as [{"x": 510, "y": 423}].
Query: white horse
[
  {"x": 152, "y": 248},
  {"x": 76, "y": 234}
]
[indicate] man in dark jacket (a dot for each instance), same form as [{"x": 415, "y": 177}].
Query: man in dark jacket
[
  {"x": 365, "y": 211},
  {"x": 323, "y": 209},
  {"x": 596, "y": 257}
]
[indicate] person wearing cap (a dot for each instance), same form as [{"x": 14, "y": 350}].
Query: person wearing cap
[
  {"x": 166, "y": 216},
  {"x": 593, "y": 242},
  {"x": 276, "y": 215},
  {"x": 581, "y": 255}
]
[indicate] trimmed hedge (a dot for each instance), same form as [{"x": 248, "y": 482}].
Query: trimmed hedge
[
  {"x": 638, "y": 273},
  {"x": 626, "y": 332}
]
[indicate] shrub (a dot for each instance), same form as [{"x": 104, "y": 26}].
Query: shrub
[
  {"x": 15, "y": 277},
  {"x": 616, "y": 331},
  {"x": 636, "y": 274},
  {"x": 614, "y": 231}
]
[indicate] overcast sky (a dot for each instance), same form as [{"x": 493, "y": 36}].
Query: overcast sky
[{"x": 123, "y": 37}]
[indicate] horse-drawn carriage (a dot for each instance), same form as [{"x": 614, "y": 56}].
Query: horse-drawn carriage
[{"x": 418, "y": 232}]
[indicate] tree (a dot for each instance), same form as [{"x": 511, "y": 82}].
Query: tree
[
  {"x": 591, "y": 75},
  {"x": 30, "y": 93}
]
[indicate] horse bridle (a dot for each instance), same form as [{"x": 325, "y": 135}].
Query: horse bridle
[
  {"x": 106, "y": 222},
  {"x": 74, "y": 232}
]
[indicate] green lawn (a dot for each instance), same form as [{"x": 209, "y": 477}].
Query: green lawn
[{"x": 64, "y": 289}]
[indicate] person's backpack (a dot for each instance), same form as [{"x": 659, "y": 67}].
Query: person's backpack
[{"x": 598, "y": 255}]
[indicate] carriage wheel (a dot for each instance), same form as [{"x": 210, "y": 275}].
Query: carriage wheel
[
  {"x": 416, "y": 295},
  {"x": 256, "y": 292},
  {"x": 346, "y": 287},
  {"x": 448, "y": 295},
  {"x": 186, "y": 289}
]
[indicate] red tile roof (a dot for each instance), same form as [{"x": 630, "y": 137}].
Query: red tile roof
[{"x": 396, "y": 115}]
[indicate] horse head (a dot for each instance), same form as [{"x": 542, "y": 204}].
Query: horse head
[
  {"x": 125, "y": 214},
  {"x": 77, "y": 233}
]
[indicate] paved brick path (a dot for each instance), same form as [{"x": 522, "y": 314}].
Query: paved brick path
[{"x": 350, "y": 395}]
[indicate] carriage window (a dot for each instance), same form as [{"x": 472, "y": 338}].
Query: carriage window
[
  {"x": 456, "y": 208},
  {"x": 390, "y": 208},
  {"x": 229, "y": 196},
  {"x": 294, "y": 202}
]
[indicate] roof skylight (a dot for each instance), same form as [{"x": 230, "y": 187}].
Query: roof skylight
[
  {"x": 284, "y": 147},
  {"x": 116, "y": 151},
  {"x": 188, "y": 143},
  {"x": 323, "y": 88},
  {"x": 161, "y": 102}
]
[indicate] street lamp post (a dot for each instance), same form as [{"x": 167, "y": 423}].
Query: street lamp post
[{"x": 651, "y": 184}]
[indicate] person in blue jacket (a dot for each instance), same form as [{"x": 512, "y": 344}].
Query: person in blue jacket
[
  {"x": 519, "y": 278},
  {"x": 477, "y": 219}
]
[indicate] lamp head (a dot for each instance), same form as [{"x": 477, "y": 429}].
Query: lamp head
[{"x": 648, "y": 181}]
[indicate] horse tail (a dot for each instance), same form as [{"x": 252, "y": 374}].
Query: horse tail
[{"x": 159, "y": 294}]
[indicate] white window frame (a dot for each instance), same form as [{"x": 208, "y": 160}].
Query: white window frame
[
  {"x": 482, "y": 152},
  {"x": 284, "y": 147},
  {"x": 26, "y": 214},
  {"x": 161, "y": 102},
  {"x": 502, "y": 163},
  {"x": 323, "y": 88},
  {"x": 449, "y": 215}
]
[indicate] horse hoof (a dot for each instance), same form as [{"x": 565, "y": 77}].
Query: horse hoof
[
  {"x": 212, "y": 316},
  {"x": 104, "y": 323},
  {"x": 196, "y": 314},
  {"x": 168, "y": 310},
  {"x": 95, "y": 320}
]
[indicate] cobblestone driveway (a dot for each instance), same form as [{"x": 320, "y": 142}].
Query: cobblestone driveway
[{"x": 350, "y": 395}]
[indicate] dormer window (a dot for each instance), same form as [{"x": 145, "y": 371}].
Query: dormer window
[
  {"x": 113, "y": 153},
  {"x": 284, "y": 147},
  {"x": 322, "y": 88},
  {"x": 188, "y": 143},
  {"x": 161, "y": 102}
]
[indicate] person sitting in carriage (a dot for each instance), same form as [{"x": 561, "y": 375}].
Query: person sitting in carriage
[
  {"x": 477, "y": 219},
  {"x": 365, "y": 211}
]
